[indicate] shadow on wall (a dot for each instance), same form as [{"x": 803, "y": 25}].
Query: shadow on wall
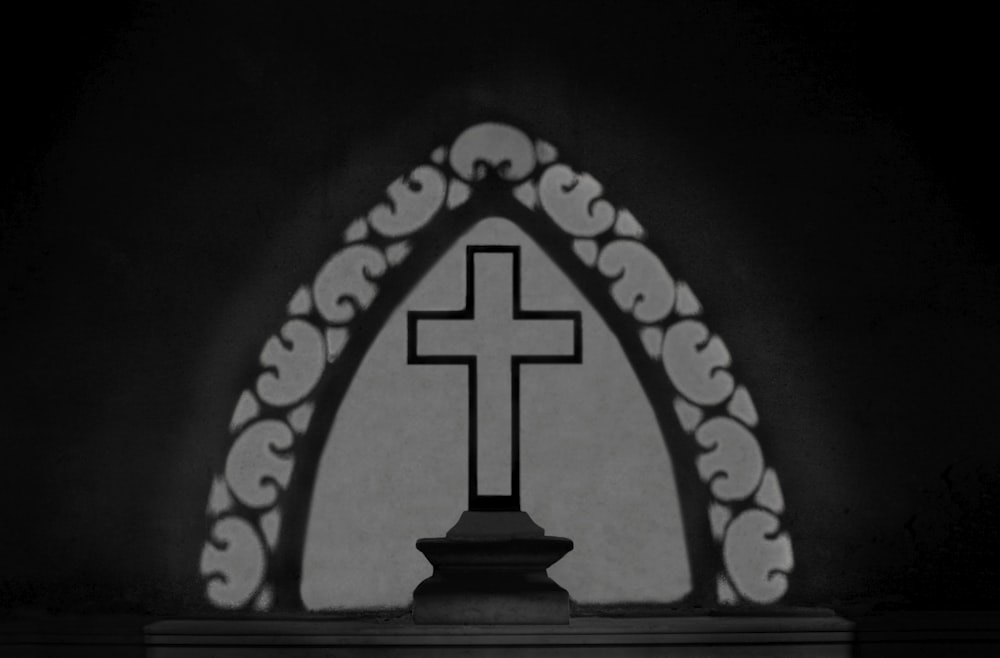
[{"x": 259, "y": 504}]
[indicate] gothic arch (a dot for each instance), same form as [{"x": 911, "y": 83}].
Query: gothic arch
[{"x": 731, "y": 501}]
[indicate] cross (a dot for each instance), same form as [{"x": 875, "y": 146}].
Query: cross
[{"x": 493, "y": 337}]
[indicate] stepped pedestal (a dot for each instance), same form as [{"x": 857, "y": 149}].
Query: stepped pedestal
[{"x": 491, "y": 569}]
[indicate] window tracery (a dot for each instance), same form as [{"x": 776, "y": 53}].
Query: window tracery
[{"x": 249, "y": 556}]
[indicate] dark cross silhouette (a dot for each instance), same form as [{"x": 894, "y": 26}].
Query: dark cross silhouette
[{"x": 492, "y": 337}]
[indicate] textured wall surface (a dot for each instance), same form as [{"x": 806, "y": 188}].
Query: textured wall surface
[
  {"x": 595, "y": 467},
  {"x": 173, "y": 174}
]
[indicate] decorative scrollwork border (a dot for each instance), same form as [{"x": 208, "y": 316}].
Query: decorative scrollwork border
[{"x": 257, "y": 516}]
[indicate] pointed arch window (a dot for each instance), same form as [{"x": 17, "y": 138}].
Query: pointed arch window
[{"x": 494, "y": 177}]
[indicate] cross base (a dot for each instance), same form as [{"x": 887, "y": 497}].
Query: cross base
[{"x": 490, "y": 569}]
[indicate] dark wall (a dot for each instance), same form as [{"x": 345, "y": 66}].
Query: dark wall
[{"x": 173, "y": 173}]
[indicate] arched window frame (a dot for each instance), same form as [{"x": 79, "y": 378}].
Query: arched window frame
[{"x": 731, "y": 501}]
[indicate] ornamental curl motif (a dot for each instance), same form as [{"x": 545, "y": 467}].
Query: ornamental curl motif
[
  {"x": 574, "y": 202},
  {"x": 642, "y": 283},
  {"x": 296, "y": 360},
  {"x": 492, "y": 145},
  {"x": 415, "y": 199},
  {"x": 344, "y": 285}
]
